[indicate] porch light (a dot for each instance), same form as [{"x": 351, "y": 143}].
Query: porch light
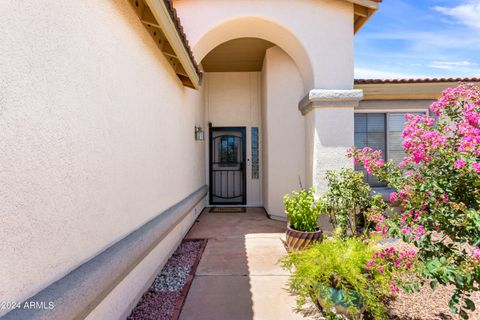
[{"x": 198, "y": 133}]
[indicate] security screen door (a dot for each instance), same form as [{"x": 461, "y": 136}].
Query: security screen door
[{"x": 227, "y": 166}]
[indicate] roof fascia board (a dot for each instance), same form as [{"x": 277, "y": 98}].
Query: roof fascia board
[
  {"x": 363, "y": 10},
  {"x": 403, "y": 91},
  {"x": 164, "y": 19},
  {"x": 366, "y": 3}
]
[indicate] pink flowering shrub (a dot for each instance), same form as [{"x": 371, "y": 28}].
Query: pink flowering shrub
[
  {"x": 438, "y": 191},
  {"x": 400, "y": 267},
  {"x": 391, "y": 258}
]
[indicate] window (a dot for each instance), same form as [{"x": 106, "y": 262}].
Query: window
[
  {"x": 370, "y": 131},
  {"x": 396, "y": 122},
  {"x": 255, "y": 156},
  {"x": 380, "y": 131},
  {"x": 228, "y": 150}
]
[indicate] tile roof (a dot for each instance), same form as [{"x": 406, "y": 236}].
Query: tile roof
[
  {"x": 178, "y": 25},
  {"x": 419, "y": 80}
]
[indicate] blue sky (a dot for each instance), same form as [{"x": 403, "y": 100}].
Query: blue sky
[{"x": 419, "y": 39}]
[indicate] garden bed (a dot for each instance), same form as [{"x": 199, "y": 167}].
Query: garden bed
[
  {"x": 427, "y": 304},
  {"x": 165, "y": 297}
]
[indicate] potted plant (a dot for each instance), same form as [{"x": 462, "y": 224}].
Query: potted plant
[
  {"x": 334, "y": 274},
  {"x": 302, "y": 209}
]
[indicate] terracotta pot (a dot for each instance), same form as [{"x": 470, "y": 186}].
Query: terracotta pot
[{"x": 298, "y": 240}]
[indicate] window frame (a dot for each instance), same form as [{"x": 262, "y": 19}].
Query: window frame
[{"x": 387, "y": 113}]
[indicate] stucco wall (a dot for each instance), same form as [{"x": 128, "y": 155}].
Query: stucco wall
[
  {"x": 284, "y": 132},
  {"x": 317, "y": 34},
  {"x": 122, "y": 299},
  {"x": 96, "y": 136},
  {"x": 232, "y": 99},
  {"x": 394, "y": 105},
  {"x": 329, "y": 133}
]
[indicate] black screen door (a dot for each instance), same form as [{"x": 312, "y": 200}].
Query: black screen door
[{"x": 227, "y": 166}]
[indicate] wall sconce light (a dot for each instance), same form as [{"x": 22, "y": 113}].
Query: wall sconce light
[{"x": 199, "y": 135}]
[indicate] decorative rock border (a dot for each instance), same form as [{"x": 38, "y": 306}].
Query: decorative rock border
[{"x": 165, "y": 298}]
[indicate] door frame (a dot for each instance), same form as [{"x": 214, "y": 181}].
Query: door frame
[{"x": 243, "y": 131}]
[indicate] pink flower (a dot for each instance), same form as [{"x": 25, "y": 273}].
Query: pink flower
[
  {"x": 371, "y": 160},
  {"x": 476, "y": 254},
  {"x": 393, "y": 197},
  {"x": 394, "y": 288},
  {"x": 406, "y": 230},
  {"x": 384, "y": 230},
  {"x": 445, "y": 198},
  {"x": 476, "y": 166},
  {"x": 460, "y": 164},
  {"x": 370, "y": 264},
  {"x": 421, "y": 139}
]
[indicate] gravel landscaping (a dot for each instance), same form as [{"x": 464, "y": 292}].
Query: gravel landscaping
[
  {"x": 165, "y": 297},
  {"x": 427, "y": 304}
]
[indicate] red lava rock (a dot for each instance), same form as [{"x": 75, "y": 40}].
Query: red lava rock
[
  {"x": 155, "y": 306},
  {"x": 158, "y": 304}
]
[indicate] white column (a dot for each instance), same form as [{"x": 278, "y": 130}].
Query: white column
[{"x": 329, "y": 131}]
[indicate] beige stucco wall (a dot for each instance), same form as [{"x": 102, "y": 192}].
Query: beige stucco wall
[
  {"x": 394, "y": 105},
  {"x": 317, "y": 34},
  {"x": 122, "y": 299},
  {"x": 284, "y": 132},
  {"x": 96, "y": 136},
  {"x": 329, "y": 133},
  {"x": 232, "y": 99}
]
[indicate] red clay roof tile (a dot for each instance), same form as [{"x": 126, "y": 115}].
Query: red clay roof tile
[
  {"x": 419, "y": 80},
  {"x": 181, "y": 33}
]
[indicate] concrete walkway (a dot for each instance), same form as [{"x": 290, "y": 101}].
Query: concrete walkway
[{"x": 238, "y": 277}]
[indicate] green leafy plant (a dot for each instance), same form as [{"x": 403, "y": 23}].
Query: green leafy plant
[
  {"x": 334, "y": 272},
  {"x": 349, "y": 199},
  {"x": 302, "y": 209}
]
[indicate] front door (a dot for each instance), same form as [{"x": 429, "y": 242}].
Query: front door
[{"x": 227, "y": 166}]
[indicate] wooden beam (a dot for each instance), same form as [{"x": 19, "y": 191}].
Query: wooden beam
[
  {"x": 360, "y": 11},
  {"x": 363, "y": 10},
  {"x": 162, "y": 16},
  {"x": 359, "y": 22},
  {"x": 366, "y": 3},
  {"x": 165, "y": 35},
  {"x": 147, "y": 17}
]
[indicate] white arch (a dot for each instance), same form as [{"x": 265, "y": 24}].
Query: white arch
[{"x": 256, "y": 27}]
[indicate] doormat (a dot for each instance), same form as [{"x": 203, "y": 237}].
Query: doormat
[{"x": 227, "y": 209}]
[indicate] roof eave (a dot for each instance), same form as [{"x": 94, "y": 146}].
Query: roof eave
[
  {"x": 363, "y": 10},
  {"x": 407, "y": 89}
]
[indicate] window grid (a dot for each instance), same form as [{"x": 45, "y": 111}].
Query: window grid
[
  {"x": 393, "y": 147},
  {"x": 255, "y": 154}
]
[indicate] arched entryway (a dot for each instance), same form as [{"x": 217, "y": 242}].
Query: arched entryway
[
  {"x": 256, "y": 136},
  {"x": 299, "y": 56}
]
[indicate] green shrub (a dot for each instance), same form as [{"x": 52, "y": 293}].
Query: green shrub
[
  {"x": 349, "y": 199},
  {"x": 302, "y": 210},
  {"x": 339, "y": 264}
]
